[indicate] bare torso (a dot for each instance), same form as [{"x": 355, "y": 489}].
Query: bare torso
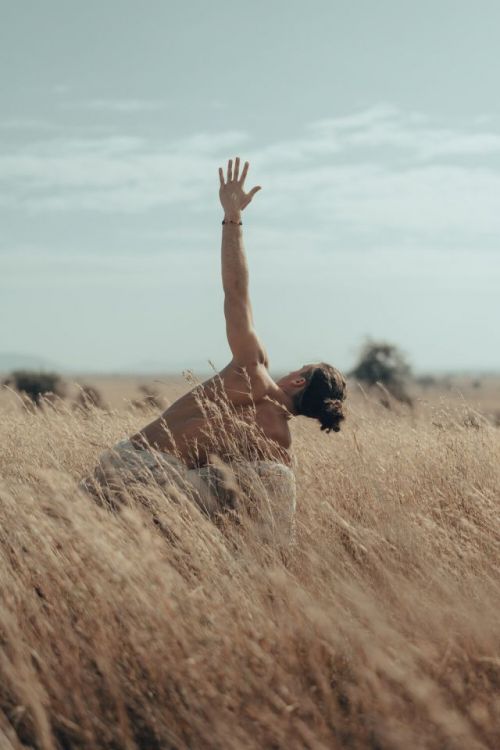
[{"x": 225, "y": 415}]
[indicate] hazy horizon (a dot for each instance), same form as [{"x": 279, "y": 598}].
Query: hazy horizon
[
  {"x": 374, "y": 133},
  {"x": 198, "y": 368}
]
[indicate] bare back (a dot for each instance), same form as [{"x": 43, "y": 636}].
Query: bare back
[{"x": 224, "y": 411}]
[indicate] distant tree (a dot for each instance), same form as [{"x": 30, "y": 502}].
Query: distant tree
[
  {"x": 36, "y": 385},
  {"x": 381, "y": 363}
]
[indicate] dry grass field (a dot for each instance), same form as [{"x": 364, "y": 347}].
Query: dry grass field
[{"x": 153, "y": 628}]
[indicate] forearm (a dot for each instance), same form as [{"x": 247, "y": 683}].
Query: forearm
[
  {"x": 234, "y": 264},
  {"x": 243, "y": 341},
  {"x": 241, "y": 336}
]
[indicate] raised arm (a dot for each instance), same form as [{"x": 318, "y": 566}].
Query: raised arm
[{"x": 244, "y": 343}]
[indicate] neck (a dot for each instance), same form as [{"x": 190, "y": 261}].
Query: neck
[{"x": 287, "y": 400}]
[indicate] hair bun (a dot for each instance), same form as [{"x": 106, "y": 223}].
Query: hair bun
[
  {"x": 333, "y": 405},
  {"x": 332, "y": 414}
]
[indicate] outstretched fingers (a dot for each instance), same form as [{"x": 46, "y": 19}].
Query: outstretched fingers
[
  {"x": 234, "y": 174},
  {"x": 244, "y": 174}
]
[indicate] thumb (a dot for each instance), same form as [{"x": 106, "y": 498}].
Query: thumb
[{"x": 253, "y": 191}]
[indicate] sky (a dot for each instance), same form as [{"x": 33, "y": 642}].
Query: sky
[{"x": 373, "y": 129}]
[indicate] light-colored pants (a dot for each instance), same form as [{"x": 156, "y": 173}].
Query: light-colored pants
[{"x": 265, "y": 489}]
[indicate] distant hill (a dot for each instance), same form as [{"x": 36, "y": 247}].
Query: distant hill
[{"x": 11, "y": 361}]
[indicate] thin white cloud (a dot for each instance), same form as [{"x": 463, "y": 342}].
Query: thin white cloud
[
  {"x": 365, "y": 119},
  {"x": 380, "y": 170},
  {"x": 389, "y": 128},
  {"x": 112, "y": 173}
]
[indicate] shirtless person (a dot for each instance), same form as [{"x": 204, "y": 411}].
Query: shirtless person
[{"x": 314, "y": 390}]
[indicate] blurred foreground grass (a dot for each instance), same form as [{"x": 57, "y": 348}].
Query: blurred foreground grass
[{"x": 152, "y": 628}]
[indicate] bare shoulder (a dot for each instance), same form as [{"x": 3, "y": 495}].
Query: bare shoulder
[{"x": 245, "y": 383}]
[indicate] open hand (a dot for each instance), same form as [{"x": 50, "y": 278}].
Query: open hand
[{"x": 231, "y": 193}]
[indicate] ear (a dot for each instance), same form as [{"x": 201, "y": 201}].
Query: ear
[{"x": 299, "y": 382}]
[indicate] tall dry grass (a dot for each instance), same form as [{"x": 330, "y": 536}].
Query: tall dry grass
[{"x": 153, "y": 628}]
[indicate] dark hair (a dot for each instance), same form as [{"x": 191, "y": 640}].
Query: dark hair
[{"x": 322, "y": 397}]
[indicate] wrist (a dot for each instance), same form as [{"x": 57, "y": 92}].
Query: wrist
[{"x": 232, "y": 216}]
